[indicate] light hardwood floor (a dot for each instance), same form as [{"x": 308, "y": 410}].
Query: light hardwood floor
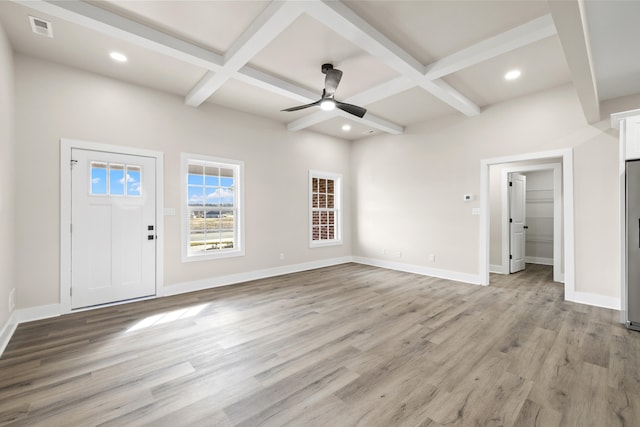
[{"x": 340, "y": 346}]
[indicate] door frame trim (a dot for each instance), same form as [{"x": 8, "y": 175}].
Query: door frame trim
[
  {"x": 558, "y": 274},
  {"x": 568, "y": 216},
  {"x": 66, "y": 145}
]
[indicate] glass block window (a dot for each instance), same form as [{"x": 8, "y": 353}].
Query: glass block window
[
  {"x": 212, "y": 208},
  {"x": 115, "y": 179},
  {"x": 325, "y": 223}
]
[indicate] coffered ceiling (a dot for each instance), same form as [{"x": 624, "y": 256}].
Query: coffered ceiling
[{"x": 405, "y": 61}]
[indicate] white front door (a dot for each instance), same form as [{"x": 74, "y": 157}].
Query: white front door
[
  {"x": 517, "y": 218},
  {"x": 113, "y": 227}
]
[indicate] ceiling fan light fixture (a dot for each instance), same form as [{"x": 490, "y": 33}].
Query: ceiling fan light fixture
[
  {"x": 327, "y": 105},
  {"x": 512, "y": 75}
]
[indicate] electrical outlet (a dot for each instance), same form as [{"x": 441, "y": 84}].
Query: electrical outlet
[
  {"x": 432, "y": 258},
  {"x": 281, "y": 256},
  {"x": 12, "y": 299}
]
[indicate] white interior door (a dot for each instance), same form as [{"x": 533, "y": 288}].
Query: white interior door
[
  {"x": 517, "y": 217},
  {"x": 113, "y": 237}
]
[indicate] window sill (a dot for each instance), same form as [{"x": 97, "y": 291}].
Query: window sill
[
  {"x": 322, "y": 244},
  {"x": 210, "y": 257}
]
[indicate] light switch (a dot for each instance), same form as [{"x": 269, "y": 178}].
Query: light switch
[{"x": 475, "y": 211}]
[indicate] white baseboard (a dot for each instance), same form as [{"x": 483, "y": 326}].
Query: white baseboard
[
  {"x": 418, "y": 269},
  {"x": 36, "y": 313},
  {"x": 594, "y": 299},
  {"x": 231, "y": 279},
  {"x": 538, "y": 260},
  {"x": 23, "y": 315},
  {"x": 493, "y": 268},
  {"x": 7, "y": 331}
]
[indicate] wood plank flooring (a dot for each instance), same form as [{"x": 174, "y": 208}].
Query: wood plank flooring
[{"x": 349, "y": 345}]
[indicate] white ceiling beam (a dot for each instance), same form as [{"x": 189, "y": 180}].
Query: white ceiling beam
[
  {"x": 276, "y": 85},
  {"x": 349, "y": 25},
  {"x": 523, "y": 35},
  {"x": 109, "y": 23},
  {"x": 311, "y": 120},
  {"x": 105, "y": 22},
  {"x": 533, "y": 31},
  {"x": 367, "y": 97},
  {"x": 570, "y": 21},
  {"x": 382, "y": 91},
  {"x": 375, "y": 122},
  {"x": 266, "y": 27},
  {"x": 446, "y": 93},
  {"x": 369, "y": 119},
  {"x": 339, "y": 18}
]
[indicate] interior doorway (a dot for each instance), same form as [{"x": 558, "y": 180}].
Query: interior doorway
[
  {"x": 563, "y": 208},
  {"x": 543, "y": 200}
]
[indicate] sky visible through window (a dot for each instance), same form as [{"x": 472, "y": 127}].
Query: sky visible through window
[{"x": 210, "y": 190}]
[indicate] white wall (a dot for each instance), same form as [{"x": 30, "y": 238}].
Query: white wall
[
  {"x": 56, "y": 102},
  {"x": 407, "y": 189},
  {"x": 7, "y": 177}
]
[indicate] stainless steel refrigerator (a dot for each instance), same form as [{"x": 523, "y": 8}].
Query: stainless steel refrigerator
[{"x": 633, "y": 245}]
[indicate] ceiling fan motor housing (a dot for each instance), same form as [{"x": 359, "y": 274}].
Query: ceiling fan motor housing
[{"x": 326, "y": 67}]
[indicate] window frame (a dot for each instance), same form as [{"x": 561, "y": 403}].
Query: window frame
[
  {"x": 337, "y": 178},
  {"x": 238, "y": 166}
]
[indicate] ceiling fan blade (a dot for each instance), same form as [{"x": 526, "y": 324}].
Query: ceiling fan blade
[
  {"x": 301, "y": 107},
  {"x": 351, "y": 109},
  {"x": 332, "y": 80}
]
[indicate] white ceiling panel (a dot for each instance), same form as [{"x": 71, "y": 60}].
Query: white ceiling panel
[
  {"x": 87, "y": 50},
  {"x": 409, "y": 107},
  {"x": 431, "y": 30},
  {"x": 333, "y": 127},
  {"x": 214, "y": 25},
  {"x": 244, "y": 97},
  {"x": 542, "y": 65},
  {"x": 299, "y": 52}
]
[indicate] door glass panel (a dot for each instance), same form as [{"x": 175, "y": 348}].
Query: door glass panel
[
  {"x": 134, "y": 187},
  {"x": 116, "y": 180},
  {"x": 98, "y": 178}
]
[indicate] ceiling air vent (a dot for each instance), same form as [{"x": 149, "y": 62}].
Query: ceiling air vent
[{"x": 40, "y": 26}]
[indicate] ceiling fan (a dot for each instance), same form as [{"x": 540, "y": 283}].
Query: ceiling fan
[{"x": 328, "y": 102}]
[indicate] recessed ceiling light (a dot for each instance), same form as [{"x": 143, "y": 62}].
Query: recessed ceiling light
[
  {"x": 512, "y": 75},
  {"x": 346, "y": 127},
  {"x": 118, "y": 57},
  {"x": 327, "y": 105}
]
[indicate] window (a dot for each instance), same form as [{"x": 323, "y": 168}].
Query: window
[
  {"x": 212, "y": 208},
  {"x": 113, "y": 179},
  {"x": 325, "y": 215}
]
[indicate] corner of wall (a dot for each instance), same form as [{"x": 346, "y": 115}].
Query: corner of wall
[{"x": 7, "y": 189}]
